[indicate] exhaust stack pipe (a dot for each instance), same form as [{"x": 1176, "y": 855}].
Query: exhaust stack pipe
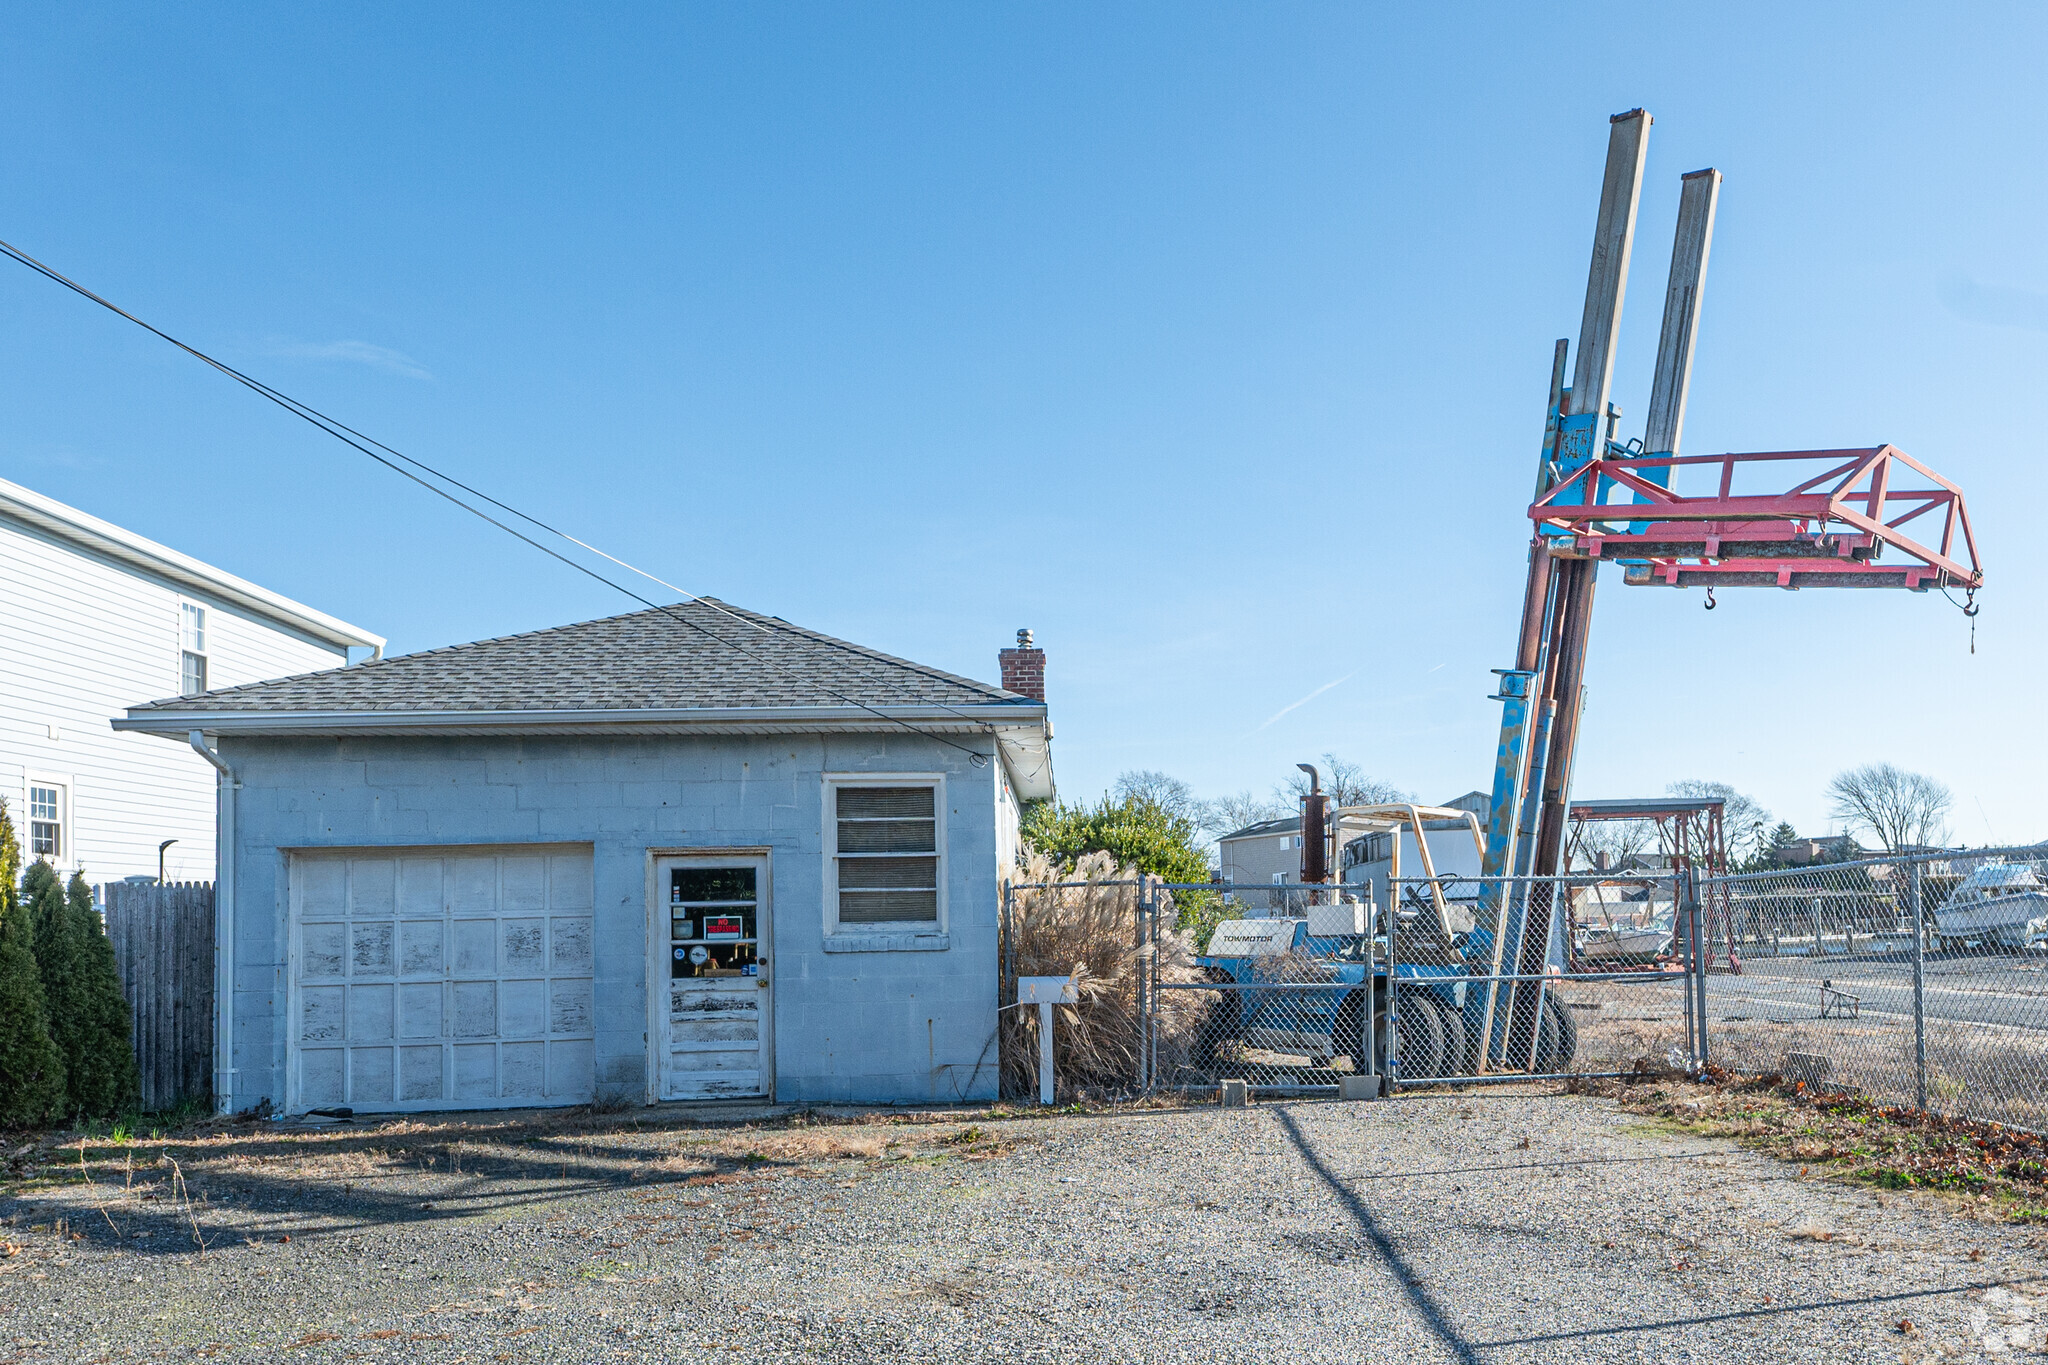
[{"x": 1315, "y": 825}]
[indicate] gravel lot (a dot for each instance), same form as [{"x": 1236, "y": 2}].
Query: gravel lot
[{"x": 1434, "y": 1228}]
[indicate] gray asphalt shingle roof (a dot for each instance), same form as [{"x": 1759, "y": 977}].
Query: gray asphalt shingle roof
[{"x": 715, "y": 655}]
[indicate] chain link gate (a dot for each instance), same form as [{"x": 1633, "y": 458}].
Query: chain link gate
[{"x": 1308, "y": 986}]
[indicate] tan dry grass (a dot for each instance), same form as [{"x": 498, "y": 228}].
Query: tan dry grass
[
  {"x": 816, "y": 1145},
  {"x": 1092, "y": 933}
]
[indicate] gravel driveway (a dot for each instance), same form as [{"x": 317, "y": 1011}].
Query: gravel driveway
[{"x": 1460, "y": 1228}]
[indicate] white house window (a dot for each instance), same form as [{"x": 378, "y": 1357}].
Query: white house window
[
  {"x": 1287, "y": 841},
  {"x": 192, "y": 648},
  {"x": 45, "y": 821},
  {"x": 885, "y": 854}
]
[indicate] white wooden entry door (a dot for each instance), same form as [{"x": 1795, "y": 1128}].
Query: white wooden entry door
[
  {"x": 708, "y": 972},
  {"x": 444, "y": 978}
]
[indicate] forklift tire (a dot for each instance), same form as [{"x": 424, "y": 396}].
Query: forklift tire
[
  {"x": 1349, "y": 1037},
  {"x": 1220, "y": 1028},
  {"x": 1451, "y": 1060},
  {"x": 1557, "y": 1036},
  {"x": 1419, "y": 1038}
]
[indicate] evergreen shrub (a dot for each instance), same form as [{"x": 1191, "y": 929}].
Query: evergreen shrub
[{"x": 31, "y": 1067}]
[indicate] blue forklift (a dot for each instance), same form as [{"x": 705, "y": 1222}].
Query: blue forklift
[{"x": 1321, "y": 978}]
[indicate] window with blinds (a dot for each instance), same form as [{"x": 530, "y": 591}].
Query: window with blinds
[{"x": 887, "y": 851}]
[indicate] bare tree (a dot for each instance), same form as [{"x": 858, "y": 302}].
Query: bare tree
[
  {"x": 1904, "y": 810},
  {"x": 1745, "y": 824},
  {"x": 1610, "y": 843},
  {"x": 1225, "y": 814},
  {"x": 1346, "y": 783},
  {"x": 1170, "y": 794}
]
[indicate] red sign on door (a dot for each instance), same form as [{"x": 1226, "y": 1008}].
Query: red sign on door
[{"x": 723, "y": 926}]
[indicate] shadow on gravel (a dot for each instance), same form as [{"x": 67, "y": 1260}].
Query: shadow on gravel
[
  {"x": 1411, "y": 1284},
  {"x": 1738, "y": 1314},
  {"x": 455, "y": 1177}
]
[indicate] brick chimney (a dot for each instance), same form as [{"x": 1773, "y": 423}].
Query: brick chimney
[{"x": 1024, "y": 668}]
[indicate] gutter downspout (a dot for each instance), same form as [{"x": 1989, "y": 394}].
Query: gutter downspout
[{"x": 223, "y": 928}]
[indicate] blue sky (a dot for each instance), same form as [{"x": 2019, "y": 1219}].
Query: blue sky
[{"x": 1209, "y": 342}]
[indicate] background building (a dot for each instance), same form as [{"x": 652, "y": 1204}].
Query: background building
[{"x": 95, "y": 617}]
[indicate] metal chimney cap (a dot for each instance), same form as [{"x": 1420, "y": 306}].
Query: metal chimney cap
[{"x": 1024, "y": 639}]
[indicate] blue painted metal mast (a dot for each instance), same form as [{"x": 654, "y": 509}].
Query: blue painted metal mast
[
  {"x": 1570, "y": 432},
  {"x": 1543, "y": 694},
  {"x": 1540, "y": 696}
]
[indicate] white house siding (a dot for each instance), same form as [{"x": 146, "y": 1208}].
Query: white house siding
[{"x": 85, "y": 638}]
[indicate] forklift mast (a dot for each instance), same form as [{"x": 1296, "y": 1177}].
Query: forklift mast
[{"x": 1832, "y": 528}]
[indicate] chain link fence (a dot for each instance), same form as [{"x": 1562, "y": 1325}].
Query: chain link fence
[
  {"x": 1304, "y": 988},
  {"x": 1919, "y": 980}
]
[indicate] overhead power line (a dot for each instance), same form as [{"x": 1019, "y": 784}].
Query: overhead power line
[{"x": 397, "y": 462}]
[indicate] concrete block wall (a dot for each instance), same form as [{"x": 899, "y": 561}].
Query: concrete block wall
[{"x": 876, "y": 1027}]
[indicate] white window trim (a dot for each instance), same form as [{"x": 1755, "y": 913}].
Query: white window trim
[
  {"x": 198, "y": 647},
  {"x": 907, "y": 934},
  {"x": 67, "y": 825}
]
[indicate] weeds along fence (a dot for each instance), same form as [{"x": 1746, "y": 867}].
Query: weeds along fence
[
  {"x": 163, "y": 948},
  {"x": 1303, "y": 988},
  {"x": 1919, "y": 980}
]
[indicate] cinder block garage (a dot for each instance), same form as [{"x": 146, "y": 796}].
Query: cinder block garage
[{"x": 686, "y": 853}]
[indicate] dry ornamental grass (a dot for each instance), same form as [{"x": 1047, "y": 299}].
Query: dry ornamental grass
[{"x": 1090, "y": 929}]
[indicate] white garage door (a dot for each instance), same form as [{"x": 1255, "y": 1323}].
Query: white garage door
[{"x": 453, "y": 978}]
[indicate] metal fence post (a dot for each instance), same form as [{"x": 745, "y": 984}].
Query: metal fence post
[
  {"x": 1681, "y": 922},
  {"x": 1919, "y": 994},
  {"x": 1393, "y": 980},
  {"x": 1690, "y": 884},
  {"x": 1148, "y": 913},
  {"x": 1369, "y": 1024}
]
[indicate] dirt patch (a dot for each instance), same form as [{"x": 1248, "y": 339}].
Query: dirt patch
[{"x": 2001, "y": 1172}]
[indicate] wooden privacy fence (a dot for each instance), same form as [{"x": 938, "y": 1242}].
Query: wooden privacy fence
[{"x": 163, "y": 946}]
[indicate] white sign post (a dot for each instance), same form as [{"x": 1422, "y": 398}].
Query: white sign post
[{"x": 1045, "y": 992}]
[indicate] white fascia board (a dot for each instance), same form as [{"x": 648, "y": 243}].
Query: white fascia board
[
  {"x": 177, "y": 723},
  {"x": 103, "y": 537}
]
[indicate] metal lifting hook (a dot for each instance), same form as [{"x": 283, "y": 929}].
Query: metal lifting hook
[
  {"x": 1710, "y": 599},
  {"x": 1970, "y": 612}
]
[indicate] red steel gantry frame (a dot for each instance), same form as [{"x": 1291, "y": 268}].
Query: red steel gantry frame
[
  {"x": 1827, "y": 531},
  {"x": 1691, "y": 833}
]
